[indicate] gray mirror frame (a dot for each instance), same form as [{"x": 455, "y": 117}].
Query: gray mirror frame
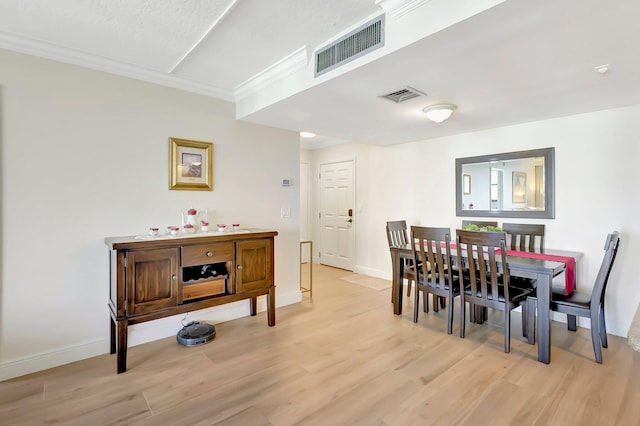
[{"x": 549, "y": 184}]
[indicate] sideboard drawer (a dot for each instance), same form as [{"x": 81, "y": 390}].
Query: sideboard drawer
[
  {"x": 204, "y": 289},
  {"x": 207, "y": 253}
]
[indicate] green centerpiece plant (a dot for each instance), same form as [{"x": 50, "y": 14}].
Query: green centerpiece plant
[{"x": 474, "y": 227}]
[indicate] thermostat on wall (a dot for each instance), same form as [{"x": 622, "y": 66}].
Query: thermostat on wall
[{"x": 286, "y": 182}]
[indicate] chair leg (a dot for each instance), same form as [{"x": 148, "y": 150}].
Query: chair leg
[
  {"x": 480, "y": 314},
  {"x": 603, "y": 328},
  {"x": 595, "y": 339},
  {"x": 443, "y": 302},
  {"x": 462, "y": 317},
  {"x": 416, "y": 303},
  {"x": 476, "y": 313},
  {"x": 507, "y": 329},
  {"x": 525, "y": 317},
  {"x": 572, "y": 323},
  {"x": 450, "y": 318},
  {"x": 531, "y": 320},
  {"x": 425, "y": 302},
  {"x": 436, "y": 304},
  {"x": 409, "y": 281}
]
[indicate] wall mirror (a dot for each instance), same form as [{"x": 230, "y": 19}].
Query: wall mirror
[{"x": 511, "y": 184}]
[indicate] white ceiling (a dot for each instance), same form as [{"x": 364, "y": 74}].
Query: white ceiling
[{"x": 501, "y": 62}]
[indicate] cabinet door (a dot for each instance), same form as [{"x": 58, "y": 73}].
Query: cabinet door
[
  {"x": 152, "y": 280},
  {"x": 254, "y": 264}
]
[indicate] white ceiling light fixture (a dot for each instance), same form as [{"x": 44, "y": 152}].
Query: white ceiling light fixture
[
  {"x": 307, "y": 135},
  {"x": 439, "y": 113}
]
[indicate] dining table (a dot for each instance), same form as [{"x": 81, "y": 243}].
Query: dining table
[{"x": 520, "y": 265}]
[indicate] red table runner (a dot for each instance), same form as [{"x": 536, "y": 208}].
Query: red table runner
[
  {"x": 569, "y": 262},
  {"x": 570, "y": 265}
]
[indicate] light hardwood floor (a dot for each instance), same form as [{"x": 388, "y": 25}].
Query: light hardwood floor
[{"x": 342, "y": 358}]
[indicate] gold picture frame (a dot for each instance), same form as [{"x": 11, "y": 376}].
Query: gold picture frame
[
  {"x": 190, "y": 165},
  {"x": 466, "y": 184}
]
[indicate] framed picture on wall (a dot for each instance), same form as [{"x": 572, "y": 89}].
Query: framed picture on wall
[
  {"x": 519, "y": 187},
  {"x": 466, "y": 184},
  {"x": 190, "y": 165}
]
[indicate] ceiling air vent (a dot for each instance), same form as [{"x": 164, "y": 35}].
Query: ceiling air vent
[
  {"x": 403, "y": 94},
  {"x": 363, "y": 40}
]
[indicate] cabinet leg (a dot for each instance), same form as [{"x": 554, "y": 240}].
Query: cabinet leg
[
  {"x": 253, "y": 307},
  {"x": 112, "y": 326},
  {"x": 123, "y": 325},
  {"x": 271, "y": 307}
]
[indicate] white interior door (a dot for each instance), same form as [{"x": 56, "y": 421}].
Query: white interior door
[{"x": 337, "y": 239}]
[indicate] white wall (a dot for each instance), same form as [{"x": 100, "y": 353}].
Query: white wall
[
  {"x": 84, "y": 155},
  {"x": 596, "y": 188}
]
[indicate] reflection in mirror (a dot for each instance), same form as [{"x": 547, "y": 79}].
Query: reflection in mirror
[{"x": 512, "y": 184}]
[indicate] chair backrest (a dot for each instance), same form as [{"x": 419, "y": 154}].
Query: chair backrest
[
  {"x": 478, "y": 263},
  {"x": 480, "y": 223},
  {"x": 433, "y": 254},
  {"x": 600, "y": 285},
  {"x": 524, "y": 236},
  {"x": 397, "y": 233}
]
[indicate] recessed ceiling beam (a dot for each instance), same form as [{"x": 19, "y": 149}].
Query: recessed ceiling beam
[{"x": 204, "y": 36}]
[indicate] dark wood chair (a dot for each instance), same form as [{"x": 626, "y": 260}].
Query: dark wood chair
[
  {"x": 524, "y": 236},
  {"x": 397, "y": 236},
  {"x": 433, "y": 255},
  {"x": 581, "y": 304},
  {"x": 480, "y": 223},
  {"x": 484, "y": 284}
]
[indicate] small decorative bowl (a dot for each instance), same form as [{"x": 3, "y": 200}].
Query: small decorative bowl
[
  {"x": 222, "y": 227},
  {"x": 153, "y": 232},
  {"x": 204, "y": 228},
  {"x": 236, "y": 226},
  {"x": 173, "y": 230},
  {"x": 189, "y": 229}
]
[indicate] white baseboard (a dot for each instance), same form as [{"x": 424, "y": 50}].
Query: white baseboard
[
  {"x": 46, "y": 360},
  {"x": 138, "y": 334},
  {"x": 378, "y": 273},
  {"x": 372, "y": 272}
]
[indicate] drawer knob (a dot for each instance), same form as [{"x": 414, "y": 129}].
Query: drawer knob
[
  {"x": 174, "y": 277},
  {"x": 239, "y": 267},
  {"x": 209, "y": 254}
]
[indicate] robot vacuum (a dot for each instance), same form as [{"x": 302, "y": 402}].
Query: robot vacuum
[{"x": 196, "y": 333}]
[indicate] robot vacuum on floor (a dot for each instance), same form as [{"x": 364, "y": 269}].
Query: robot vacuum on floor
[{"x": 196, "y": 333}]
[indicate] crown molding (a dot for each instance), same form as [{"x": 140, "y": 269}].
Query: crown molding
[
  {"x": 21, "y": 44},
  {"x": 397, "y": 8},
  {"x": 323, "y": 143},
  {"x": 294, "y": 62}
]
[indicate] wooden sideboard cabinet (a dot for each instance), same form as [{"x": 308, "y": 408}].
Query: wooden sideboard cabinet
[{"x": 157, "y": 277}]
